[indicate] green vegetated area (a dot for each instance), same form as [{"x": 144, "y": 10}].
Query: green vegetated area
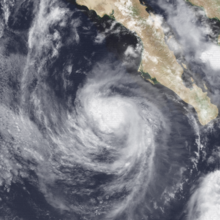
[
  {"x": 112, "y": 15},
  {"x": 147, "y": 76},
  {"x": 134, "y": 11}
]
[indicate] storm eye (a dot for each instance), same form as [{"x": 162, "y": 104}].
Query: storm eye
[{"x": 110, "y": 114}]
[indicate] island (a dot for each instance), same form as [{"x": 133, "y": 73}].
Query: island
[{"x": 157, "y": 59}]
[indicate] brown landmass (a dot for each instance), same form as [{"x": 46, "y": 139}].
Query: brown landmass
[
  {"x": 211, "y": 7},
  {"x": 157, "y": 59}
]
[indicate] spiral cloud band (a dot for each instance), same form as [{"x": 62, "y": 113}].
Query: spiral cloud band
[
  {"x": 114, "y": 145},
  {"x": 114, "y": 142},
  {"x": 113, "y": 134}
]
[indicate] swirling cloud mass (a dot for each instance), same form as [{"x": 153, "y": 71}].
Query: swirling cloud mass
[
  {"x": 83, "y": 135},
  {"x": 204, "y": 204}
]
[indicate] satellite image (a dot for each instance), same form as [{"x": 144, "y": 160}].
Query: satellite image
[{"x": 109, "y": 110}]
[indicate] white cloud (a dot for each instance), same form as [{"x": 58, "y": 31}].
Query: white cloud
[
  {"x": 158, "y": 20},
  {"x": 100, "y": 38},
  {"x": 205, "y": 201},
  {"x": 212, "y": 56},
  {"x": 130, "y": 51},
  {"x": 44, "y": 34},
  {"x": 174, "y": 45}
]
